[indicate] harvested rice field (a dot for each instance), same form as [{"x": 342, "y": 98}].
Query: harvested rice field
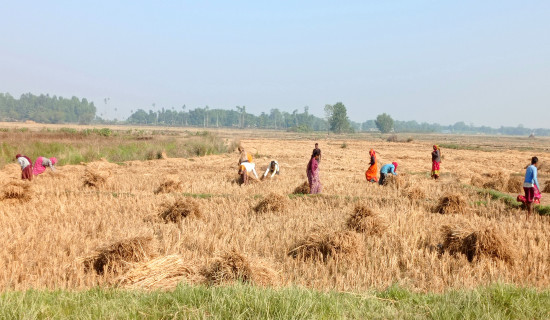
[{"x": 154, "y": 224}]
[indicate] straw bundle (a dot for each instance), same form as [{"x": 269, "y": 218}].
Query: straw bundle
[
  {"x": 546, "y": 188},
  {"x": 17, "y": 190},
  {"x": 365, "y": 220},
  {"x": 322, "y": 244},
  {"x": 514, "y": 184},
  {"x": 486, "y": 241},
  {"x": 169, "y": 186},
  {"x": 302, "y": 189},
  {"x": 477, "y": 181},
  {"x": 452, "y": 203},
  {"x": 180, "y": 209},
  {"x": 272, "y": 203},
  {"x": 95, "y": 179},
  {"x": 233, "y": 266},
  {"x": 160, "y": 273},
  {"x": 396, "y": 182},
  {"x": 496, "y": 181},
  {"x": 416, "y": 193},
  {"x": 115, "y": 257}
]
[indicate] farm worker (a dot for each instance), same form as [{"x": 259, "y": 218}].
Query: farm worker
[
  {"x": 244, "y": 156},
  {"x": 26, "y": 166},
  {"x": 317, "y": 148},
  {"x": 42, "y": 163},
  {"x": 273, "y": 169},
  {"x": 244, "y": 169},
  {"x": 436, "y": 160},
  {"x": 371, "y": 172},
  {"x": 530, "y": 183},
  {"x": 387, "y": 169},
  {"x": 313, "y": 172}
]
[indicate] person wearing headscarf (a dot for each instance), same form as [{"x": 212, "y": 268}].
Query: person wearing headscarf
[
  {"x": 436, "y": 160},
  {"x": 26, "y": 166},
  {"x": 389, "y": 168},
  {"x": 317, "y": 148},
  {"x": 244, "y": 156},
  {"x": 42, "y": 163},
  {"x": 273, "y": 169},
  {"x": 371, "y": 172},
  {"x": 312, "y": 171}
]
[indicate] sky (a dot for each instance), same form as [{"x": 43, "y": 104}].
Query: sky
[{"x": 481, "y": 62}]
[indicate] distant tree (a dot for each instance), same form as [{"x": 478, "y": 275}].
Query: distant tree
[
  {"x": 337, "y": 117},
  {"x": 384, "y": 123}
]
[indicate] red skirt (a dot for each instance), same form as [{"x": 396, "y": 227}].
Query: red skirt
[{"x": 27, "y": 173}]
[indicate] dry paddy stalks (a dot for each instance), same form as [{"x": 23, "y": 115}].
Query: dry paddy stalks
[
  {"x": 272, "y": 203},
  {"x": 17, "y": 190},
  {"x": 163, "y": 273},
  {"x": 169, "y": 186},
  {"x": 182, "y": 208},
  {"x": 487, "y": 241},
  {"x": 367, "y": 221},
  {"x": 115, "y": 257},
  {"x": 452, "y": 203},
  {"x": 302, "y": 189},
  {"x": 233, "y": 266},
  {"x": 498, "y": 181},
  {"x": 514, "y": 184},
  {"x": 546, "y": 188},
  {"x": 396, "y": 182},
  {"x": 322, "y": 244},
  {"x": 95, "y": 179},
  {"x": 416, "y": 193}
]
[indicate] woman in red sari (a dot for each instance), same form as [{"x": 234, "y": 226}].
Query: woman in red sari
[
  {"x": 436, "y": 160},
  {"x": 371, "y": 172},
  {"x": 26, "y": 166},
  {"x": 313, "y": 173}
]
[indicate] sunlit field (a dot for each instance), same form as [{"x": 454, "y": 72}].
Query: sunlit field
[{"x": 110, "y": 224}]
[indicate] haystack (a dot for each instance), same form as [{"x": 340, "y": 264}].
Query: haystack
[
  {"x": 487, "y": 241},
  {"x": 95, "y": 179},
  {"x": 302, "y": 189},
  {"x": 163, "y": 273},
  {"x": 514, "y": 184},
  {"x": 17, "y": 190},
  {"x": 396, "y": 182},
  {"x": 452, "y": 203},
  {"x": 182, "y": 208},
  {"x": 322, "y": 244},
  {"x": 477, "y": 181},
  {"x": 272, "y": 203},
  {"x": 169, "y": 186},
  {"x": 546, "y": 188},
  {"x": 416, "y": 193},
  {"x": 495, "y": 180},
  {"x": 234, "y": 266},
  {"x": 365, "y": 220},
  {"x": 115, "y": 257}
]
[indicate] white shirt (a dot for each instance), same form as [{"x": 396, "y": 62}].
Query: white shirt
[
  {"x": 249, "y": 166},
  {"x": 274, "y": 171},
  {"x": 23, "y": 162}
]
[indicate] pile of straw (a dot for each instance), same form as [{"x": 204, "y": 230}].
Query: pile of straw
[
  {"x": 322, "y": 244},
  {"x": 365, "y": 220},
  {"x": 302, "y": 189},
  {"x": 17, "y": 190},
  {"x": 514, "y": 184},
  {"x": 498, "y": 181},
  {"x": 169, "y": 186},
  {"x": 163, "y": 273},
  {"x": 546, "y": 188},
  {"x": 233, "y": 266},
  {"x": 180, "y": 209},
  {"x": 272, "y": 203},
  {"x": 95, "y": 179},
  {"x": 396, "y": 182},
  {"x": 452, "y": 203},
  {"x": 416, "y": 193},
  {"x": 115, "y": 257},
  {"x": 487, "y": 241}
]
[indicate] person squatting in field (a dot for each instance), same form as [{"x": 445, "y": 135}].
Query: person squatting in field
[
  {"x": 312, "y": 171},
  {"x": 530, "y": 183},
  {"x": 42, "y": 163},
  {"x": 371, "y": 172},
  {"x": 387, "y": 169},
  {"x": 436, "y": 161},
  {"x": 273, "y": 168},
  {"x": 26, "y": 166},
  {"x": 244, "y": 169}
]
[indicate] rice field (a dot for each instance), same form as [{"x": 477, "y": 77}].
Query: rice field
[{"x": 154, "y": 224}]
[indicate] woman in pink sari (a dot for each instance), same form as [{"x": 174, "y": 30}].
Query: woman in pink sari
[
  {"x": 42, "y": 163},
  {"x": 313, "y": 173}
]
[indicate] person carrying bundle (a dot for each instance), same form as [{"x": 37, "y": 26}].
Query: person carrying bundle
[
  {"x": 273, "y": 168},
  {"x": 530, "y": 183},
  {"x": 26, "y": 166}
]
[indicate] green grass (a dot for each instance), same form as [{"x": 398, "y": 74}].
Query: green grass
[
  {"x": 511, "y": 201},
  {"x": 248, "y": 302}
]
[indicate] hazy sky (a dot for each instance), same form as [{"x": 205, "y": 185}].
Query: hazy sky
[{"x": 482, "y": 62}]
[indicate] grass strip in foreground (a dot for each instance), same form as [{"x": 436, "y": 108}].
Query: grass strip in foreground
[
  {"x": 512, "y": 202},
  {"x": 247, "y": 302}
]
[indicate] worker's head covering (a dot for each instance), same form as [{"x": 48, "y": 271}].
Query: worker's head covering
[
  {"x": 372, "y": 152},
  {"x": 242, "y": 169},
  {"x": 18, "y": 156},
  {"x": 53, "y": 160},
  {"x": 436, "y": 147},
  {"x": 395, "y": 165}
]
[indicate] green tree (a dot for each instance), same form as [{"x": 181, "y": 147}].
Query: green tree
[
  {"x": 337, "y": 117},
  {"x": 384, "y": 123}
]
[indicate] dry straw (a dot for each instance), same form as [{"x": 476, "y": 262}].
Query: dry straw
[
  {"x": 365, "y": 220},
  {"x": 182, "y": 208},
  {"x": 169, "y": 186},
  {"x": 487, "y": 241},
  {"x": 17, "y": 190},
  {"x": 396, "y": 182},
  {"x": 514, "y": 184},
  {"x": 233, "y": 266},
  {"x": 452, "y": 203},
  {"x": 163, "y": 273},
  {"x": 546, "y": 188},
  {"x": 115, "y": 257},
  {"x": 416, "y": 193},
  {"x": 95, "y": 179},
  {"x": 272, "y": 203},
  {"x": 322, "y": 244},
  {"x": 302, "y": 189}
]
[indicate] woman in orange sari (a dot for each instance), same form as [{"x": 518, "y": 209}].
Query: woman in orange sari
[{"x": 370, "y": 174}]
